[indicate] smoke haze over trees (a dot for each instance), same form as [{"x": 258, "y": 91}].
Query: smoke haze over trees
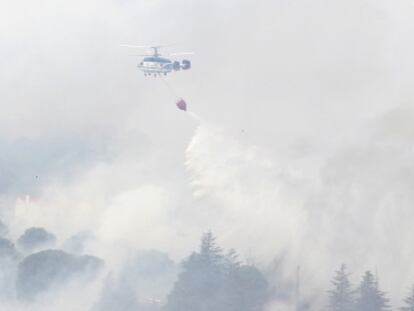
[
  {"x": 208, "y": 279},
  {"x": 297, "y": 151},
  {"x": 212, "y": 281}
]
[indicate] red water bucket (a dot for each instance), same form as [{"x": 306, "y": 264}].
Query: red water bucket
[{"x": 182, "y": 105}]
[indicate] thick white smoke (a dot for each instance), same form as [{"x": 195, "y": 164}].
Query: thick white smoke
[{"x": 354, "y": 207}]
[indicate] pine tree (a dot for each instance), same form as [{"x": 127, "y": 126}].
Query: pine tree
[
  {"x": 209, "y": 251},
  {"x": 370, "y": 298},
  {"x": 213, "y": 281},
  {"x": 341, "y": 298},
  {"x": 409, "y": 301},
  {"x": 231, "y": 262},
  {"x": 201, "y": 279}
]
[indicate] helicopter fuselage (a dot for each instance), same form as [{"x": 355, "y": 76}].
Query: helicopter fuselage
[{"x": 156, "y": 65}]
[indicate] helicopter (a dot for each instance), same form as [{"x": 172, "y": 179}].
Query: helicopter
[{"x": 154, "y": 64}]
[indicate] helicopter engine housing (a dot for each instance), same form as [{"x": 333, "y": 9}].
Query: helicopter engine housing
[
  {"x": 185, "y": 64},
  {"x": 176, "y": 65}
]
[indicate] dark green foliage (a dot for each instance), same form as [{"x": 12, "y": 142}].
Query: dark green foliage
[
  {"x": 7, "y": 251},
  {"x": 249, "y": 288},
  {"x": 3, "y": 229},
  {"x": 9, "y": 259},
  {"x": 34, "y": 239},
  {"x": 409, "y": 301},
  {"x": 370, "y": 298},
  {"x": 211, "y": 280},
  {"x": 341, "y": 298},
  {"x": 40, "y": 271}
]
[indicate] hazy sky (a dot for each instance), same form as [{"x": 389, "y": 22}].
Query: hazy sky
[{"x": 302, "y": 144}]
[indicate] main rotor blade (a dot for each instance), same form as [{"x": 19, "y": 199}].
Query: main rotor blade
[
  {"x": 147, "y": 46},
  {"x": 136, "y": 46},
  {"x": 181, "y": 53}
]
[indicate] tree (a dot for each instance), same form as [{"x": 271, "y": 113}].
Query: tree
[
  {"x": 197, "y": 284},
  {"x": 9, "y": 260},
  {"x": 3, "y": 229},
  {"x": 341, "y": 298},
  {"x": 8, "y": 251},
  {"x": 209, "y": 251},
  {"x": 213, "y": 281},
  {"x": 35, "y": 239},
  {"x": 409, "y": 301},
  {"x": 370, "y": 298},
  {"x": 249, "y": 289},
  {"x": 39, "y": 272}
]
